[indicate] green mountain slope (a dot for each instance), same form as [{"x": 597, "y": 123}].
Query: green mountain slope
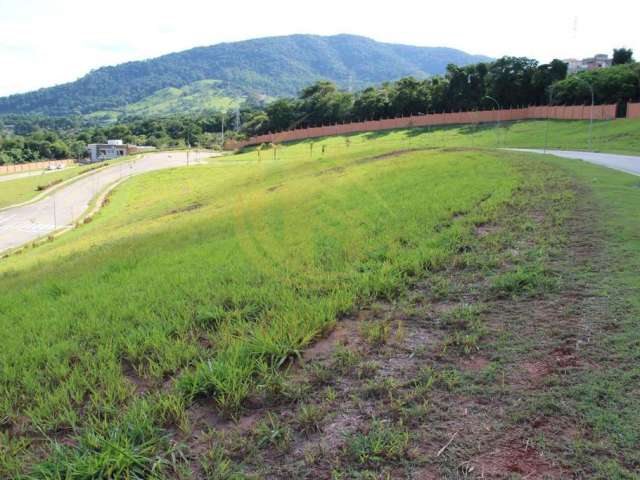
[{"x": 273, "y": 66}]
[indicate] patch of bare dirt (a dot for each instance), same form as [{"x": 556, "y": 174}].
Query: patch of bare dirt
[
  {"x": 142, "y": 385},
  {"x": 475, "y": 363},
  {"x": 485, "y": 229},
  {"x": 508, "y": 461},
  {"x": 344, "y": 332}
]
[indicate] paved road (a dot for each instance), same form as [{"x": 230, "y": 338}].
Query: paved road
[
  {"x": 23, "y": 224},
  {"x": 624, "y": 163}
]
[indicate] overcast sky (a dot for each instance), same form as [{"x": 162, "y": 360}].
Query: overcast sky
[{"x": 46, "y": 42}]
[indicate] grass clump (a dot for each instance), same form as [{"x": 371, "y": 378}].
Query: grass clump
[
  {"x": 131, "y": 449},
  {"x": 309, "y": 418},
  {"x": 524, "y": 280},
  {"x": 466, "y": 328},
  {"x": 382, "y": 442},
  {"x": 376, "y": 332},
  {"x": 273, "y": 433}
]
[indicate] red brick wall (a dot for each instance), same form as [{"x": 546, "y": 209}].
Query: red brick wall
[
  {"x": 633, "y": 110},
  {"x": 580, "y": 112},
  {"x": 27, "y": 167}
]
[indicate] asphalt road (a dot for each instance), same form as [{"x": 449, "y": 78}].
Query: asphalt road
[
  {"x": 24, "y": 223},
  {"x": 624, "y": 163}
]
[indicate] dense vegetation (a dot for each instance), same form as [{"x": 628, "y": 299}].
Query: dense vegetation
[{"x": 275, "y": 66}]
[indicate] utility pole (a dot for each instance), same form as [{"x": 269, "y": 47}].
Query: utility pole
[
  {"x": 223, "y": 131},
  {"x": 237, "y": 119},
  {"x": 546, "y": 133},
  {"x": 593, "y": 98}
]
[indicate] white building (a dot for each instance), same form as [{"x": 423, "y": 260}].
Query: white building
[
  {"x": 99, "y": 152},
  {"x": 601, "y": 60}
]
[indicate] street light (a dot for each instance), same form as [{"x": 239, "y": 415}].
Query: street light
[
  {"x": 498, "y": 119},
  {"x": 591, "y": 111},
  {"x": 546, "y": 133}
]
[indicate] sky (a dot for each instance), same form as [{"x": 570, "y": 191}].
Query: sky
[{"x": 47, "y": 42}]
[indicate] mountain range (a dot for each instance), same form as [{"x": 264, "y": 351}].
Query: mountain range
[{"x": 223, "y": 75}]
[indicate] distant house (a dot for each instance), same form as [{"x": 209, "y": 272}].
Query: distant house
[
  {"x": 601, "y": 60},
  {"x": 99, "y": 152}
]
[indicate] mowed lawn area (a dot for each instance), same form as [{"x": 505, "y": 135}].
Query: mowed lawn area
[{"x": 132, "y": 342}]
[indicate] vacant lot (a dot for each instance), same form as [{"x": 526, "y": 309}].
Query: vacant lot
[{"x": 457, "y": 301}]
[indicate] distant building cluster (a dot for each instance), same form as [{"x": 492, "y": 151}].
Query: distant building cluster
[{"x": 601, "y": 60}]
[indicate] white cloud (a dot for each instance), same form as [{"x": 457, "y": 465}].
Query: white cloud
[{"x": 45, "y": 42}]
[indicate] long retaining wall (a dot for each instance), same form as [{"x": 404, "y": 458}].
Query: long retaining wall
[
  {"x": 580, "y": 112},
  {"x": 633, "y": 110},
  {"x": 27, "y": 167}
]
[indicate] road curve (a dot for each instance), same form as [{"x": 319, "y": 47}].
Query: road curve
[
  {"x": 25, "y": 223},
  {"x": 624, "y": 163}
]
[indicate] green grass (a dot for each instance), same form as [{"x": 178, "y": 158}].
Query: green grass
[
  {"x": 205, "y": 282},
  {"x": 607, "y": 397},
  {"x": 619, "y": 136},
  {"x": 269, "y": 257}
]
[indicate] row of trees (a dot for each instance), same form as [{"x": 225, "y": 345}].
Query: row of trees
[
  {"x": 38, "y": 146},
  {"x": 509, "y": 81}
]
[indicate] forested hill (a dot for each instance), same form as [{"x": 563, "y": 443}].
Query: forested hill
[{"x": 274, "y": 66}]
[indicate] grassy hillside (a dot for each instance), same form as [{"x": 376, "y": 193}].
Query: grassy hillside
[
  {"x": 619, "y": 136},
  {"x": 197, "y": 97},
  {"x": 156, "y": 289},
  {"x": 276, "y": 66},
  {"x": 132, "y": 341}
]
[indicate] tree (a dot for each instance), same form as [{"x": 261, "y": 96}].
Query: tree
[
  {"x": 257, "y": 124},
  {"x": 282, "y": 114},
  {"x": 622, "y": 56},
  {"x": 409, "y": 97},
  {"x": 322, "y": 103},
  {"x": 510, "y": 80},
  {"x": 620, "y": 83},
  {"x": 372, "y": 103}
]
